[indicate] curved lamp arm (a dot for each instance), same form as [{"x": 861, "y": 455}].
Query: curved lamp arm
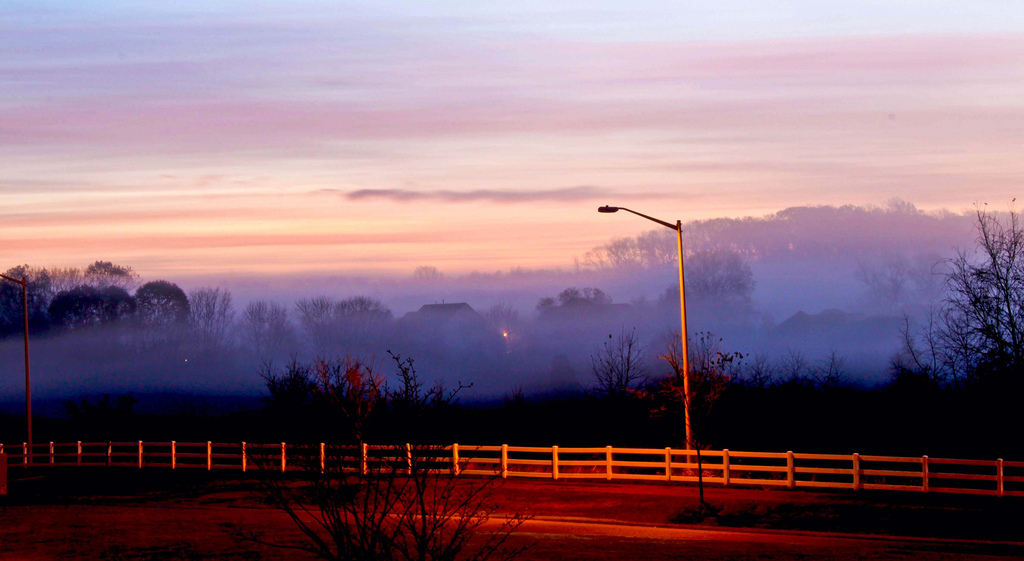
[{"x": 609, "y": 209}]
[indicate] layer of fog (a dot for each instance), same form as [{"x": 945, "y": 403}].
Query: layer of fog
[{"x": 826, "y": 281}]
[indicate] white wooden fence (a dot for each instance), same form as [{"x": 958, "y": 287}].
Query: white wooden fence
[{"x": 788, "y": 469}]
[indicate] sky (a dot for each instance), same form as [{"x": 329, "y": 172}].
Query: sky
[{"x": 302, "y": 138}]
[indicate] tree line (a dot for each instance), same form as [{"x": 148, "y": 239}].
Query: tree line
[{"x": 104, "y": 294}]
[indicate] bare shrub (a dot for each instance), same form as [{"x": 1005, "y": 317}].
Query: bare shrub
[
  {"x": 381, "y": 503},
  {"x": 711, "y": 369},
  {"x": 619, "y": 365}
]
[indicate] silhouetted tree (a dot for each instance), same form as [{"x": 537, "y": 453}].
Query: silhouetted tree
[
  {"x": 720, "y": 278},
  {"x": 831, "y": 373},
  {"x": 985, "y": 302},
  {"x": 396, "y": 507},
  {"x": 161, "y": 304},
  {"x": 794, "y": 369},
  {"x": 574, "y": 299},
  {"x": 104, "y": 273},
  {"x": 711, "y": 369},
  {"x": 760, "y": 372},
  {"x": 212, "y": 315},
  {"x": 649, "y": 250},
  {"x": 315, "y": 317},
  {"x": 63, "y": 279},
  {"x": 86, "y": 306},
  {"x": 341, "y": 325},
  {"x": 619, "y": 364},
  {"x": 359, "y": 322},
  {"x": 427, "y": 273},
  {"x": 977, "y": 332},
  {"x": 265, "y": 328},
  {"x": 39, "y": 294},
  {"x": 894, "y": 281}
]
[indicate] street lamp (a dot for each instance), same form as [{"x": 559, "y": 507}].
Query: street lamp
[
  {"x": 678, "y": 227},
  {"x": 28, "y": 391}
]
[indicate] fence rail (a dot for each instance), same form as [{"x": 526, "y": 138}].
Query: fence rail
[{"x": 782, "y": 469}]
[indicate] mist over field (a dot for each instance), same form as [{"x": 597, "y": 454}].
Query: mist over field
[{"x": 793, "y": 288}]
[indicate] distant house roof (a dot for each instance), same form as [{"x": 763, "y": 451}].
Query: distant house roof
[{"x": 443, "y": 313}]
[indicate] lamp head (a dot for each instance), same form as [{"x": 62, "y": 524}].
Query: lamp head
[{"x": 607, "y": 209}]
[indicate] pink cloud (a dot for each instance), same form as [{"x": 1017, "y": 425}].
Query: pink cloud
[
  {"x": 727, "y": 126},
  {"x": 611, "y": 88}
]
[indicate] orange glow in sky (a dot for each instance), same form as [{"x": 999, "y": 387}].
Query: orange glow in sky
[{"x": 302, "y": 138}]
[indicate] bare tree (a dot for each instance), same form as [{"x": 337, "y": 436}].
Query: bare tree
[
  {"x": 794, "y": 368},
  {"x": 315, "y": 317},
  {"x": 718, "y": 275},
  {"x": 648, "y": 250},
  {"x": 398, "y": 508},
  {"x": 619, "y": 364},
  {"x": 711, "y": 369},
  {"x": 102, "y": 274},
  {"x": 978, "y": 330},
  {"x": 886, "y": 281},
  {"x": 761, "y": 372},
  {"x": 265, "y": 327},
  {"x": 427, "y": 274},
  {"x": 334, "y": 326},
  {"x": 358, "y": 322},
  {"x": 831, "y": 374},
  {"x": 361, "y": 306},
  {"x": 211, "y": 316},
  {"x": 63, "y": 279},
  {"x": 711, "y": 273},
  {"x": 392, "y": 503},
  {"x": 985, "y": 295}
]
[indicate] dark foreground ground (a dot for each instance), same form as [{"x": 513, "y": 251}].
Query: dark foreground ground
[{"x": 123, "y": 514}]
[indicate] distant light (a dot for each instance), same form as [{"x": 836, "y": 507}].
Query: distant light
[{"x": 504, "y": 333}]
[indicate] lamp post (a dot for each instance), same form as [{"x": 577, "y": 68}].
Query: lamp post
[
  {"x": 678, "y": 227},
  {"x": 28, "y": 389}
]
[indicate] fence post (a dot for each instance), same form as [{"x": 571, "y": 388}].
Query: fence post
[
  {"x": 24, "y": 453},
  {"x": 51, "y": 454},
  {"x": 504, "y": 461},
  {"x": 408, "y": 457},
  {"x": 554, "y": 462},
  {"x": 455, "y": 458},
  {"x": 668, "y": 464},
  {"x": 725, "y": 467},
  {"x": 284, "y": 465},
  {"x": 323, "y": 457},
  {"x": 140, "y": 454},
  {"x": 608, "y": 462},
  {"x": 209, "y": 455},
  {"x": 110, "y": 451},
  {"x": 924, "y": 474},
  {"x": 790, "y": 470},
  {"x": 174, "y": 454},
  {"x": 79, "y": 452},
  {"x": 243, "y": 457},
  {"x": 362, "y": 465},
  {"x": 999, "y": 477},
  {"x": 3, "y": 472},
  {"x": 856, "y": 471}
]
